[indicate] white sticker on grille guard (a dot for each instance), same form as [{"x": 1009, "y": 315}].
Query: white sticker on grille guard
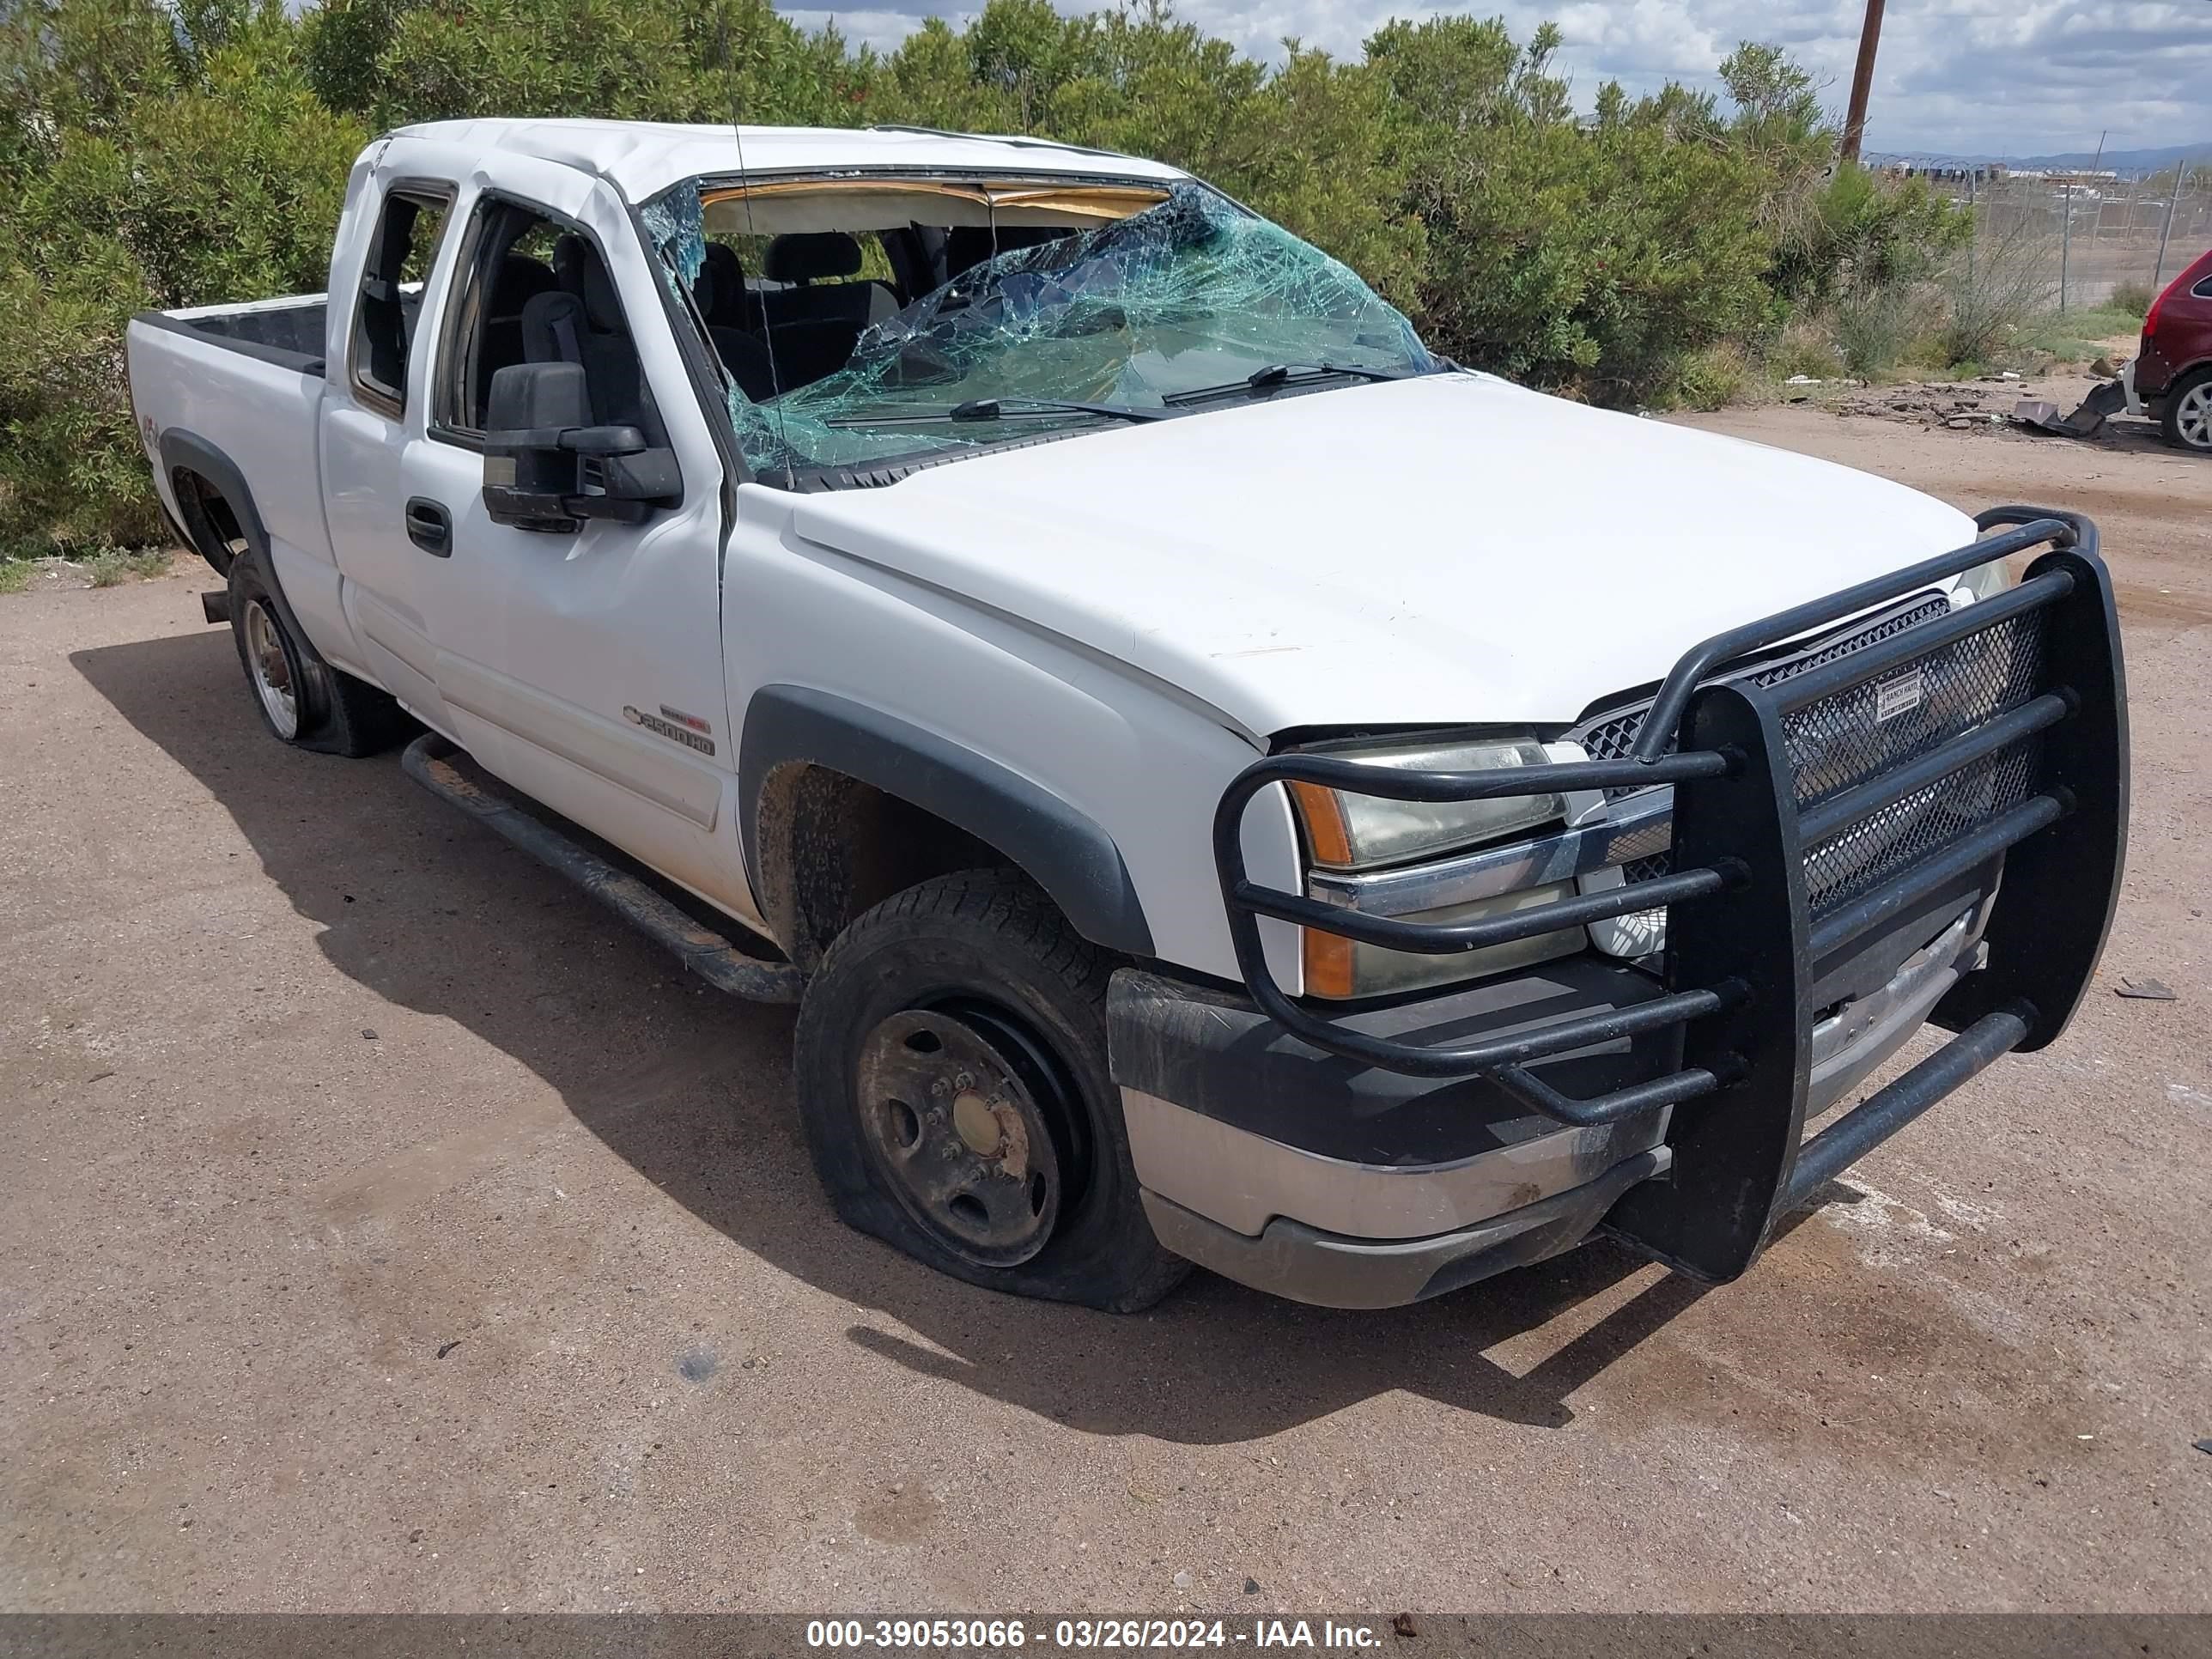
[{"x": 1897, "y": 696}]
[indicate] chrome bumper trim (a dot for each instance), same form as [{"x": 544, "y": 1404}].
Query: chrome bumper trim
[
  {"x": 1861, "y": 1034},
  {"x": 1243, "y": 1181}
]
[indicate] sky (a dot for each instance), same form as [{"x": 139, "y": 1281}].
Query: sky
[{"x": 2000, "y": 76}]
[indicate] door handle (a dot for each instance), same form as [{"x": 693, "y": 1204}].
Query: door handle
[{"x": 430, "y": 527}]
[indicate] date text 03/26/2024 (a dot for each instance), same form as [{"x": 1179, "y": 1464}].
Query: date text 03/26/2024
[{"x": 990, "y": 1635}]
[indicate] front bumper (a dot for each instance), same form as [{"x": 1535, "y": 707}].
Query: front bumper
[
  {"x": 1838, "y": 840},
  {"x": 1274, "y": 1163}
]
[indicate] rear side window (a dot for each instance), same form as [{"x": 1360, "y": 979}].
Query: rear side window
[{"x": 405, "y": 246}]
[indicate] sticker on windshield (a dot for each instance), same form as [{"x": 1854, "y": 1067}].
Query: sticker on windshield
[{"x": 1899, "y": 696}]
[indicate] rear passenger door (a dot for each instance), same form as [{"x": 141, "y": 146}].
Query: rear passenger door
[
  {"x": 585, "y": 666},
  {"x": 376, "y": 357}
]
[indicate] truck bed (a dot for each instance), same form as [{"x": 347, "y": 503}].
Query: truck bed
[
  {"x": 233, "y": 393},
  {"x": 286, "y": 332}
]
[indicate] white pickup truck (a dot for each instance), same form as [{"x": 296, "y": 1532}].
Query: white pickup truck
[{"x": 1222, "y": 783}]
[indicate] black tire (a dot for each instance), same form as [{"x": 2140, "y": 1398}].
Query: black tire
[
  {"x": 2193, "y": 390},
  {"x": 981, "y": 953},
  {"x": 332, "y": 712}
]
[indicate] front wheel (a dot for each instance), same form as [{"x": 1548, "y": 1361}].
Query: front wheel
[
  {"x": 954, "y": 1087},
  {"x": 2188, "y": 417}
]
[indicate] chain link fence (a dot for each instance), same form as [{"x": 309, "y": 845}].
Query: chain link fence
[{"x": 2080, "y": 236}]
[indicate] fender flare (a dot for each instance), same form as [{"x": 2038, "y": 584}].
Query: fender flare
[
  {"x": 187, "y": 451},
  {"x": 183, "y": 451},
  {"x": 1062, "y": 850}
]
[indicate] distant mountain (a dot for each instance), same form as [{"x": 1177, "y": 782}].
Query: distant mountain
[{"x": 2120, "y": 160}]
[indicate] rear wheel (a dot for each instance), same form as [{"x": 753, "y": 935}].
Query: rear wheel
[
  {"x": 303, "y": 700},
  {"x": 954, "y": 1088},
  {"x": 2188, "y": 417},
  {"x": 272, "y": 667}
]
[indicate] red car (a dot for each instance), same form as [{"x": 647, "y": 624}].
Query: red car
[{"x": 2172, "y": 375}]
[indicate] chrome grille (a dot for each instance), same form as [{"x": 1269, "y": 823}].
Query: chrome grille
[
  {"x": 1841, "y": 741},
  {"x": 1613, "y": 736}
]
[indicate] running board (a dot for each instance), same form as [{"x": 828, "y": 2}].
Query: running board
[{"x": 429, "y": 760}]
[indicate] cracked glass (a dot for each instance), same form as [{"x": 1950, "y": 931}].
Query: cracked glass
[{"x": 1171, "y": 309}]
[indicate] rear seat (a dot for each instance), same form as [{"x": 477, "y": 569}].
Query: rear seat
[
  {"x": 812, "y": 265},
  {"x": 815, "y": 319}
]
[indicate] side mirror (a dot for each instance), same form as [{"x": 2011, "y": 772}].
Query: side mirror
[{"x": 547, "y": 468}]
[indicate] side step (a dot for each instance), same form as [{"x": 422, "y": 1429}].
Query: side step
[{"x": 428, "y": 761}]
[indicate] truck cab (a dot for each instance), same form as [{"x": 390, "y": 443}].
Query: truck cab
[{"x": 1224, "y": 783}]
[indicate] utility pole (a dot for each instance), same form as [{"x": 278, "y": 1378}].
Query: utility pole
[{"x": 1862, "y": 82}]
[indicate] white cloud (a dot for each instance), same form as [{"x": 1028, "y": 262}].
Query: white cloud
[{"x": 2019, "y": 76}]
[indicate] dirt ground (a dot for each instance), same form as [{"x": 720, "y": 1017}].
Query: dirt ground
[{"x": 384, "y": 1229}]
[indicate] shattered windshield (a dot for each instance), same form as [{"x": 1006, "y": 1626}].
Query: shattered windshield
[{"x": 1163, "y": 310}]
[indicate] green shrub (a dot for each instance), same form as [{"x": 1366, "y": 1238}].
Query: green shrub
[
  {"x": 147, "y": 167},
  {"x": 1804, "y": 346},
  {"x": 1711, "y": 378},
  {"x": 1988, "y": 291},
  {"x": 114, "y": 567},
  {"x": 1593, "y": 257},
  {"x": 2133, "y": 298}
]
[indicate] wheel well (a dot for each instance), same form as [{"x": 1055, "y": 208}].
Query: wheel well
[
  {"x": 209, "y": 520},
  {"x": 832, "y": 847}
]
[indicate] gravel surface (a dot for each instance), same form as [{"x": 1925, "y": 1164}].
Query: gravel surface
[{"x": 385, "y": 1229}]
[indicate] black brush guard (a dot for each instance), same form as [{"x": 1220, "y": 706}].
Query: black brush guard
[{"x": 2021, "y": 757}]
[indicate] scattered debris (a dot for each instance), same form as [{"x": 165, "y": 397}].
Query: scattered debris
[
  {"x": 1182, "y": 1580},
  {"x": 1404, "y": 1624},
  {"x": 2084, "y": 423},
  {"x": 2205, "y": 1445},
  {"x": 697, "y": 1366},
  {"x": 2103, "y": 369},
  {"x": 1804, "y": 380},
  {"x": 370, "y": 1034},
  {"x": 447, "y": 1347},
  {"x": 1252, "y": 1585},
  {"x": 2010, "y": 374},
  {"x": 2148, "y": 990}
]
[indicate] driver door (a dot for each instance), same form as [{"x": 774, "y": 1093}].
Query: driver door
[{"x": 584, "y": 666}]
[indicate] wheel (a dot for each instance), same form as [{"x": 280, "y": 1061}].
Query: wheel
[
  {"x": 2188, "y": 417},
  {"x": 303, "y": 700},
  {"x": 954, "y": 1089}
]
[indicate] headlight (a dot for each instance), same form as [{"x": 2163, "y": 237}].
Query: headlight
[
  {"x": 1986, "y": 581},
  {"x": 1345, "y": 831}
]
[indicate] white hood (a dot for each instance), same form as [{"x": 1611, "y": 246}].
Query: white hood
[{"x": 1447, "y": 550}]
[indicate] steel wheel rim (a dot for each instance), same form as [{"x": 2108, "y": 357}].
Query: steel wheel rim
[
  {"x": 2193, "y": 419},
  {"x": 960, "y": 1122},
  {"x": 271, "y": 670}
]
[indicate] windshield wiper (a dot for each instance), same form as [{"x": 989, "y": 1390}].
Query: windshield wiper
[
  {"x": 993, "y": 409},
  {"x": 1275, "y": 374}
]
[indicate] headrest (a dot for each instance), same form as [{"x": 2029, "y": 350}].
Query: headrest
[
  {"x": 729, "y": 270},
  {"x": 808, "y": 256},
  {"x": 520, "y": 279},
  {"x": 578, "y": 266},
  {"x": 720, "y": 281}
]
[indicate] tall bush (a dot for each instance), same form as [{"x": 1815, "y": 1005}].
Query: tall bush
[{"x": 1595, "y": 255}]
